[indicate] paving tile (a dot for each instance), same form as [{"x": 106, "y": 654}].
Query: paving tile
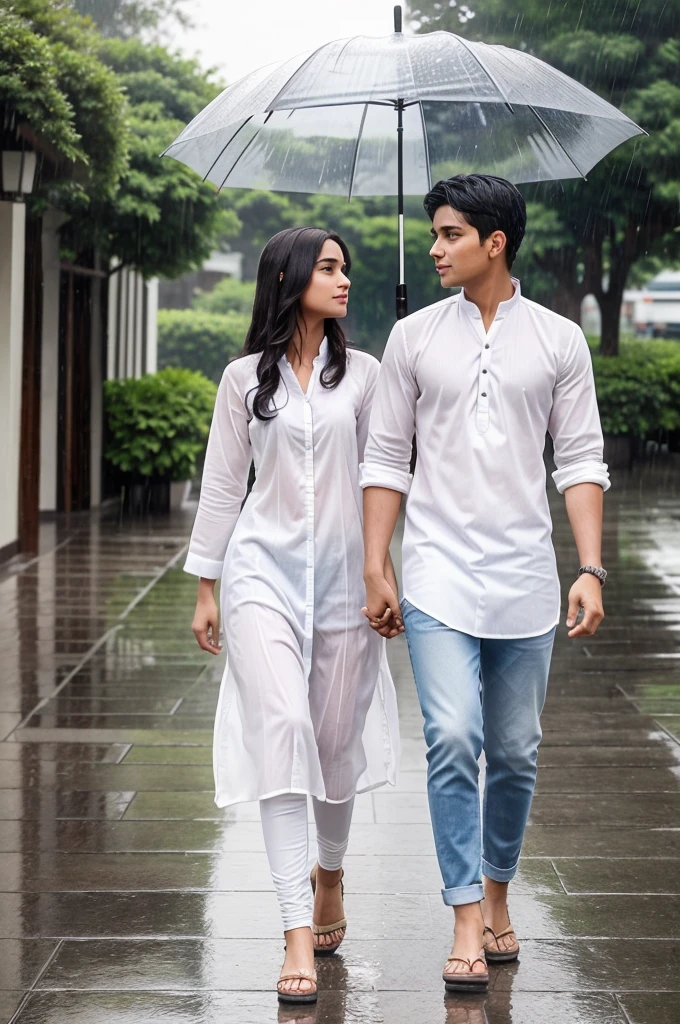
[
  {"x": 592, "y": 965},
  {"x": 608, "y": 780},
  {"x": 68, "y": 753},
  {"x": 651, "y": 1007},
  {"x": 102, "y": 836},
  {"x": 599, "y": 841},
  {"x": 628, "y": 875},
  {"x": 180, "y": 914},
  {"x": 76, "y": 776},
  {"x": 29, "y": 804},
  {"x": 599, "y": 808},
  {"x": 139, "y": 754},
  {"x": 660, "y": 751},
  {"x": 333, "y": 1007},
  {"x": 501, "y": 1006},
  {"x": 550, "y": 916},
  {"x": 9, "y": 1003}
]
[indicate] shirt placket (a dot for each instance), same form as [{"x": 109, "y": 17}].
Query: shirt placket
[
  {"x": 483, "y": 388},
  {"x": 309, "y": 497}
]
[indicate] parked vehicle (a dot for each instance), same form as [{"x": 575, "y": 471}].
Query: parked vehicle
[{"x": 657, "y": 310}]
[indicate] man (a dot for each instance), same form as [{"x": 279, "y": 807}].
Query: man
[{"x": 479, "y": 378}]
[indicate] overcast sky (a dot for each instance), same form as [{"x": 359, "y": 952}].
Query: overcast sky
[{"x": 238, "y": 36}]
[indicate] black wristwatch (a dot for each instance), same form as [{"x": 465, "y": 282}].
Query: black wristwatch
[{"x": 595, "y": 570}]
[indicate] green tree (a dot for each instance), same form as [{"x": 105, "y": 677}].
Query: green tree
[
  {"x": 51, "y": 77},
  {"x": 129, "y": 18},
  {"x": 628, "y": 208},
  {"x": 163, "y": 220}
]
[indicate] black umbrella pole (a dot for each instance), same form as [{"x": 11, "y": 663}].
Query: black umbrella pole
[{"x": 402, "y": 302}]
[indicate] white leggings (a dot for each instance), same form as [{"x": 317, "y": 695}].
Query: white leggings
[{"x": 286, "y": 839}]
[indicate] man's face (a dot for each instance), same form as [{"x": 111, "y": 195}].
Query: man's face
[{"x": 458, "y": 256}]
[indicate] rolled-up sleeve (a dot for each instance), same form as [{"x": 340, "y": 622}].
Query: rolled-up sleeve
[
  {"x": 575, "y": 421},
  {"x": 387, "y": 455},
  {"x": 224, "y": 483}
]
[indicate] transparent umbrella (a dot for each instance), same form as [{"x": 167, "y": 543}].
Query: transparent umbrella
[{"x": 388, "y": 116}]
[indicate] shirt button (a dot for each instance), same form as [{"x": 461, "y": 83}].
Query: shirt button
[
  {"x": 484, "y": 371},
  {"x": 486, "y": 346},
  {"x": 483, "y": 394}
]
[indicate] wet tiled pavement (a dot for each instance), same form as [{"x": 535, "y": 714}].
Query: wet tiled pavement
[{"x": 126, "y": 896}]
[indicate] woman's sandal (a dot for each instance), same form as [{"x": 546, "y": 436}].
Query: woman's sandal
[
  {"x": 328, "y": 929},
  {"x": 498, "y": 955},
  {"x": 470, "y": 982},
  {"x": 310, "y": 996}
]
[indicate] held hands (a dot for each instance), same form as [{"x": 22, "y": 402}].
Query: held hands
[
  {"x": 382, "y": 604},
  {"x": 586, "y": 593},
  {"x": 206, "y": 624}
]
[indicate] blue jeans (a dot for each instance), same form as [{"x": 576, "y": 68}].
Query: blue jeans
[{"x": 476, "y": 695}]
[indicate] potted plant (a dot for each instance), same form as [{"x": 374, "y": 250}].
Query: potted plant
[{"x": 157, "y": 427}]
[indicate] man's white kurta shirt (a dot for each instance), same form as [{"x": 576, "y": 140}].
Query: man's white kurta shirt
[{"x": 478, "y": 552}]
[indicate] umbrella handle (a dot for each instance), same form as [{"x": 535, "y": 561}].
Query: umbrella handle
[{"x": 397, "y": 19}]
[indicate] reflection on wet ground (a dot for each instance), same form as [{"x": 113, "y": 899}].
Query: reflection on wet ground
[{"x": 127, "y": 897}]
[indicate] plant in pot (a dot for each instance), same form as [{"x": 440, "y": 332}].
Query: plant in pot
[{"x": 157, "y": 427}]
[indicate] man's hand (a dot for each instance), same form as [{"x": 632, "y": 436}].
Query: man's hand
[
  {"x": 585, "y": 593},
  {"x": 382, "y": 605}
]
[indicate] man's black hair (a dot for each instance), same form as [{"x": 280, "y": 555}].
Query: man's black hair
[{"x": 487, "y": 203}]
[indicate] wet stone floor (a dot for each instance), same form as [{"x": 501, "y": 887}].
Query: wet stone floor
[{"x": 127, "y": 897}]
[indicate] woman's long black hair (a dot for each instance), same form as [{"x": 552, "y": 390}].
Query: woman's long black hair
[{"x": 277, "y": 311}]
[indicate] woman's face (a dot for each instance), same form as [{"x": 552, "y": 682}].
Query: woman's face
[{"x": 327, "y": 291}]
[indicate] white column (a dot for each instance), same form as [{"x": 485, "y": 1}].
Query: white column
[
  {"x": 129, "y": 370},
  {"x": 12, "y": 259},
  {"x": 96, "y": 392},
  {"x": 49, "y": 368},
  {"x": 112, "y": 339},
  {"x": 140, "y": 288},
  {"x": 151, "y": 325}
]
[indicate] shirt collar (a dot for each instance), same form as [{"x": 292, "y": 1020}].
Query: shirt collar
[
  {"x": 503, "y": 307},
  {"x": 321, "y": 358}
]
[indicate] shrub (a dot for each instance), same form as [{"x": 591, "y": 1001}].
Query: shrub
[
  {"x": 158, "y": 424},
  {"x": 638, "y": 392},
  {"x": 228, "y": 296},
  {"x": 200, "y": 341}
]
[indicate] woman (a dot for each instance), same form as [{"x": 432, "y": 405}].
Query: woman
[{"x": 307, "y": 705}]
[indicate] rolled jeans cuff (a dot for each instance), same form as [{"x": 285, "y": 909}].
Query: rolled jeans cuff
[
  {"x": 463, "y": 894},
  {"x": 499, "y": 874}
]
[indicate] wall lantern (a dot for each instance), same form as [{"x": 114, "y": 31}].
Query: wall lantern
[{"x": 18, "y": 172}]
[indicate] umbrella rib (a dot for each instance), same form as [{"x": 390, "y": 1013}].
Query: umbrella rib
[
  {"x": 487, "y": 73},
  {"x": 241, "y": 154},
  {"x": 555, "y": 139},
  {"x": 355, "y": 157},
  {"x": 227, "y": 143}
]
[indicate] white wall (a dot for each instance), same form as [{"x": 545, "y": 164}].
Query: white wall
[{"x": 12, "y": 257}]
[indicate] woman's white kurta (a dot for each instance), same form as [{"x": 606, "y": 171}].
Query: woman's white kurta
[{"x": 307, "y": 703}]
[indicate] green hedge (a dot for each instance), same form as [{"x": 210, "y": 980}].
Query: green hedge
[
  {"x": 638, "y": 391},
  {"x": 158, "y": 424},
  {"x": 200, "y": 341}
]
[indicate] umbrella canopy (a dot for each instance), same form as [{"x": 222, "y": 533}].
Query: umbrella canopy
[
  {"x": 388, "y": 116},
  {"x": 325, "y": 121}
]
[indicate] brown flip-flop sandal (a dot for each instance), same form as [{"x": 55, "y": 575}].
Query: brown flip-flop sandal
[
  {"x": 328, "y": 929},
  {"x": 298, "y": 997},
  {"x": 501, "y": 956},
  {"x": 466, "y": 982}
]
